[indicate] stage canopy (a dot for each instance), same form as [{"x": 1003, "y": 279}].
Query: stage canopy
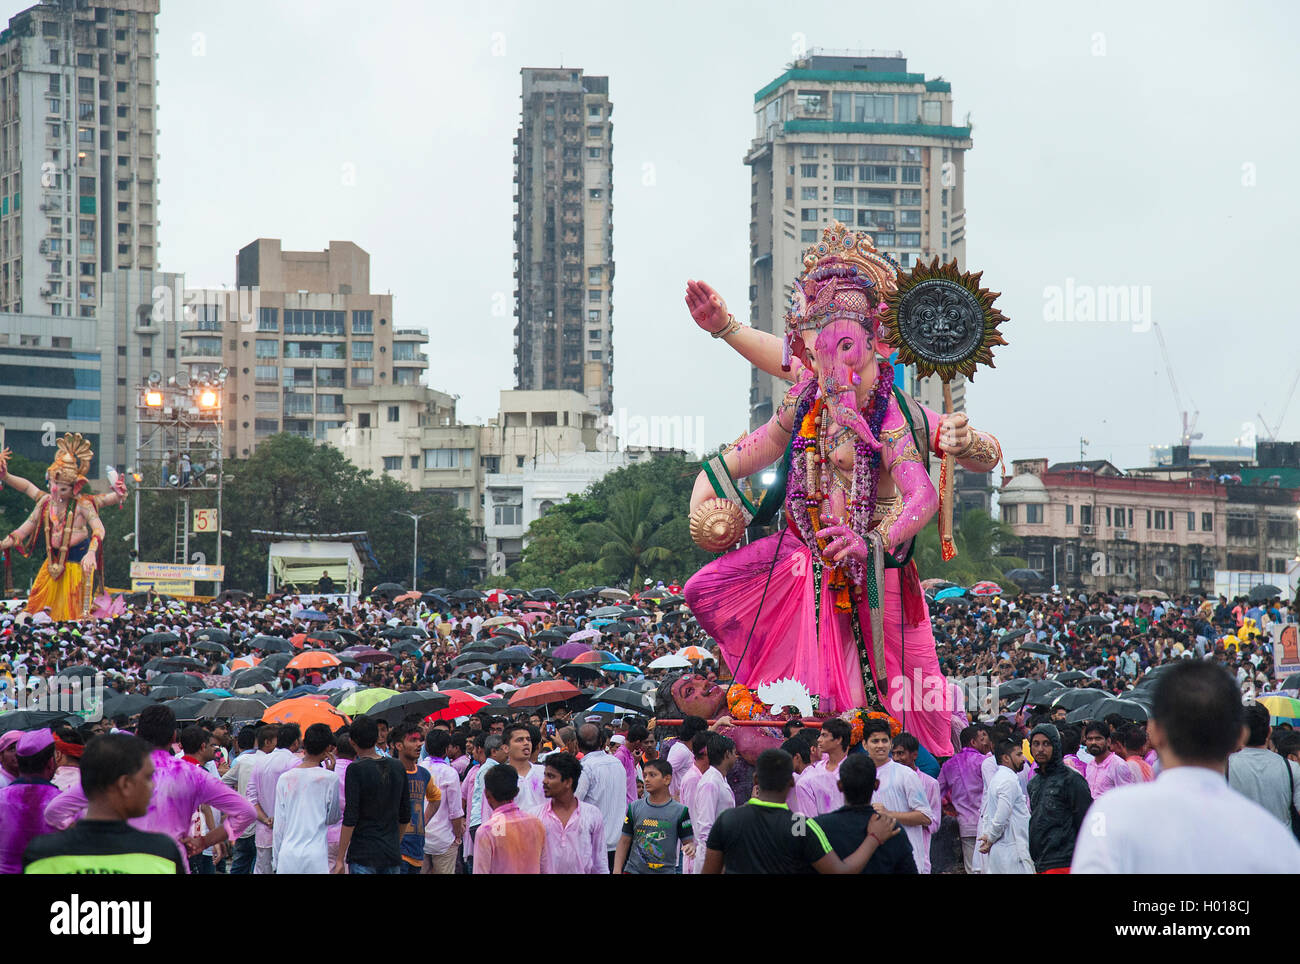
[{"x": 301, "y": 558}]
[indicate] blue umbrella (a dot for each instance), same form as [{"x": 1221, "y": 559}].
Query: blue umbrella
[
  {"x": 619, "y": 668},
  {"x": 950, "y": 592},
  {"x": 604, "y": 708},
  {"x": 216, "y": 691},
  {"x": 313, "y": 615},
  {"x": 305, "y": 690}
]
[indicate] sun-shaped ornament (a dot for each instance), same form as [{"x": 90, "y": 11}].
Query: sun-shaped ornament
[
  {"x": 942, "y": 321},
  {"x": 945, "y": 324}
]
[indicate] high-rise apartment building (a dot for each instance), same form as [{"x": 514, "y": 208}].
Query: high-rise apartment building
[
  {"x": 299, "y": 329},
  {"x": 856, "y": 139},
  {"x": 564, "y": 255},
  {"x": 78, "y": 152}
]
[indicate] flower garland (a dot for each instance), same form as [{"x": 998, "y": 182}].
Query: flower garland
[
  {"x": 804, "y": 506},
  {"x": 743, "y": 703},
  {"x": 856, "y": 719}
]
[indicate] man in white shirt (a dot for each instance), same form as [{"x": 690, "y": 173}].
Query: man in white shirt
[
  {"x": 712, "y": 795},
  {"x": 307, "y": 801},
  {"x": 260, "y": 742},
  {"x": 680, "y": 756},
  {"x": 906, "y": 750},
  {"x": 267, "y": 768},
  {"x": 519, "y": 751},
  {"x": 603, "y": 783},
  {"x": 899, "y": 793},
  {"x": 1004, "y": 815},
  {"x": 444, "y": 828},
  {"x": 1188, "y": 820}
]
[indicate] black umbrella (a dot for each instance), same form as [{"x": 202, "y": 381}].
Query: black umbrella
[
  {"x": 484, "y": 646},
  {"x": 160, "y": 693},
  {"x": 1013, "y": 687},
  {"x": 1045, "y": 649},
  {"x": 1073, "y": 699},
  {"x": 471, "y": 595},
  {"x": 454, "y": 683},
  {"x": 1024, "y": 575},
  {"x": 517, "y": 655},
  {"x": 578, "y": 669},
  {"x": 233, "y": 708},
  {"x": 35, "y": 719},
  {"x": 158, "y": 639},
  {"x": 388, "y": 589},
  {"x": 509, "y": 631},
  {"x": 71, "y": 671},
  {"x": 551, "y": 636},
  {"x": 1266, "y": 592},
  {"x": 1040, "y": 692},
  {"x": 173, "y": 663},
  {"x": 188, "y": 707},
  {"x": 675, "y": 615},
  {"x": 127, "y": 705},
  {"x": 638, "y": 695},
  {"x": 434, "y": 599},
  {"x": 324, "y": 636},
  {"x": 270, "y": 644},
  {"x": 406, "y": 646},
  {"x": 212, "y": 647},
  {"x": 214, "y": 633},
  {"x": 1095, "y": 620},
  {"x": 419, "y": 703},
  {"x": 275, "y": 662},
  {"x": 438, "y": 591},
  {"x": 404, "y": 632},
  {"x": 251, "y": 677},
  {"x": 546, "y": 594},
  {"x": 1014, "y": 634},
  {"x": 349, "y": 635},
  {"x": 577, "y": 594},
  {"x": 233, "y": 595},
  {"x": 177, "y": 679},
  {"x": 1071, "y": 676},
  {"x": 473, "y": 657},
  {"x": 1292, "y": 682},
  {"x": 476, "y": 667},
  {"x": 1128, "y": 709}
]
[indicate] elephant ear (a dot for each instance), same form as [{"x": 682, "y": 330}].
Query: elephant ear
[{"x": 798, "y": 301}]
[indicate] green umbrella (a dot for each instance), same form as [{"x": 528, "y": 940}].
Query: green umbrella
[{"x": 362, "y": 700}]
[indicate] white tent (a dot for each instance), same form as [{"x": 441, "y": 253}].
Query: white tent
[{"x": 302, "y": 558}]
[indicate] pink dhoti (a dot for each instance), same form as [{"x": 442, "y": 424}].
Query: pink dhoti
[{"x": 768, "y": 630}]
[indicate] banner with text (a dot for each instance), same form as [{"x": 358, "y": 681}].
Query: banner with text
[{"x": 167, "y": 570}]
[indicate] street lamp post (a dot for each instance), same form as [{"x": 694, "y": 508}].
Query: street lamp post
[{"x": 415, "y": 548}]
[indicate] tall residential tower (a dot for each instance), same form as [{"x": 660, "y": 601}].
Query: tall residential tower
[
  {"x": 564, "y": 253},
  {"x": 858, "y": 139},
  {"x": 78, "y": 152}
]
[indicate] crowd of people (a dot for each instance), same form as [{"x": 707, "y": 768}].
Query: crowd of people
[{"x": 582, "y": 786}]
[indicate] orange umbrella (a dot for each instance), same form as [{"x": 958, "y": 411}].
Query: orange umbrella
[
  {"x": 305, "y": 710},
  {"x": 694, "y": 653},
  {"x": 298, "y": 640},
  {"x": 313, "y": 659},
  {"x": 547, "y": 691},
  {"x": 244, "y": 662},
  {"x": 409, "y": 597}
]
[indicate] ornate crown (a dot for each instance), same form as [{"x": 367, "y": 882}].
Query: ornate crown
[
  {"x": 841, "y": 274},
  {"x": 72, "y": 460}
]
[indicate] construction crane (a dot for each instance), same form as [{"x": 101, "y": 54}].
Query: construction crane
[
  {"x": 1189, "y": 434},
  {"x": 1273, "y": 433}
]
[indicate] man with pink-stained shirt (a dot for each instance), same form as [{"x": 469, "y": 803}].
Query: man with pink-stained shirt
[
  {"x": 1107, "y": 770},
  {"x": 511, "y": 840},
  {"x": 680, "y": 755},
  {"x": 712, "y": 795},
  {"x": 818, "y": 791},
  {"x": 575, "y": 830},
  {"x": 179, "y": 789},
  {"x": 961, "y": 783},
  {"x": 906, "y": 749},
  {"x": 691, "y": 780}
]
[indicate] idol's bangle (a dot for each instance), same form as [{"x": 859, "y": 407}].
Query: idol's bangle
[
  {"x": 730, "y": 327},
  {"x": 94, "y": 546}
]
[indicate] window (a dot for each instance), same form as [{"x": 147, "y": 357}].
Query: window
[
  {"x": 593, "y": 356},
  {"x": 593, "y": 276},
  {"x": 843, "y": 214},
  {"x": 877, "y": 172},
  {"x": 519, "y": 461},
  {"x": 843, "y": 195},
  {"x": 392, "y": 463},
  {"x": 908, "y": 108},
  {"x": 909, "y": 198},
  {"x": 909, "y": 239},
  {"x": 808, "y": 151},
  {"x": 362, "y": 377},
  {"x": 931, "y": 112},
  {"x": 508, "y": 515},
  {"x": 909, "y": 219},
  {"x": 1069, "y": 560},
  {"x": 266, "y": 374},
  {"x": 875, "y": 196},
  {"x": 1069, "y": 514},
  {"x": 911, "y": 175},
  {"x": 266, "y": 348},
  {"x": 843, "y": 172},
  {"x": 593, "y": 335},
  {"x": 1191, "y": 522},
  {"x": 884, "y": 239},
  {"x": 1085, "y": 515},
  {"x": 808, "y": 214},
  {"x": 808, "y": 236},
  {"x": 808, "y": 170},
  {"x": 1207, "y": 521},
  {"x": 1009, "y": 514},
  {"x": 448, "y": 458},
  {"x": 593, "y": 316},
  {"x": 268, "y": 319},
  {"x": 1034, "y": 514},
  {"x": 809, "y": 193},
  {"x": 406, "y": 351},
  {"x": 363, "y": 322},
  {"x": 593, "y": 110},
  {"x": 302, "y": 321},
  {"x": 363, "y": 420},
  {"x": 594, "y": 194},
  {"x": 593, "y": 295},
  {"x": 1130, "y": 518},
  {"x": 263, "y": 427},
  {"x": 593, "y": 130},
  {"x": 363, "y": 351},
  {"x": 394, "y": 413},
  {"x": 1160, "y": 518},
  {"x": 267, "y": 402}
]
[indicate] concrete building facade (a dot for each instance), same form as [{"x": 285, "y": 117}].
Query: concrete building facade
[
  {"x": 564, "y": 255},
  {"x": 858, "y": 139},
  {"x": 78, "y": 152}
]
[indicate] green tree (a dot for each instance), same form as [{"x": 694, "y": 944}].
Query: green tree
[
  {"x": 632, "y": 533},
  {"x": 980, "y": 540}
]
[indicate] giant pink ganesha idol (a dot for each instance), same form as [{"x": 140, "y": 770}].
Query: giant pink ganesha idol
[{"x": 832, "y": 600}]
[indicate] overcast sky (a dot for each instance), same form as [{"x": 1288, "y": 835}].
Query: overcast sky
[{"x": 1147, "y": 144}]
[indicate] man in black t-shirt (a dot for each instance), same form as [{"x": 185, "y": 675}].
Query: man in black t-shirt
[
  {"x": 765, "y": 837},
  {"x": 117, "y": 778},
  {"x": 848, "y": 826},
  {"x": 378, "y": 807}
]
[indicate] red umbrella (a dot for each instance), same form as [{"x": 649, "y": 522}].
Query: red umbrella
[
  {"x": 462, "y": 704},
  {"x": 368, "y": 654},
  {"x": 536, "y": 605},
  {"x": 547, "y": 691},
  {"x": 593, "y": 657}
]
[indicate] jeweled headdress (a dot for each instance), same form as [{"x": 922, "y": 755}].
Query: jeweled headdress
[
  {"x": 71, "y": 461},
  {"x": 843, "y": 274}
]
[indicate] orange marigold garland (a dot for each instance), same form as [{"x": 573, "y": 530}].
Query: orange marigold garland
[
  {"x": 857, "y": 718},
  {"x": 743, "y": 703}
]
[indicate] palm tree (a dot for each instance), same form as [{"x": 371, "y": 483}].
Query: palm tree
[
  {"x": 979, "y": 539},
  {"x": 631, "y": 534}
]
